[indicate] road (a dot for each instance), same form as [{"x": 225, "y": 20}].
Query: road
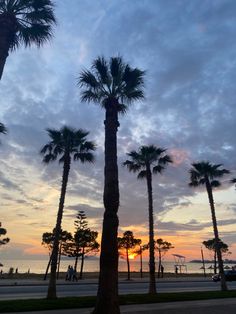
[{"x": 86, "y": 289}]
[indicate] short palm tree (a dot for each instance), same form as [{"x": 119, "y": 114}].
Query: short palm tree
[
  {"x": 114, "y": 85},
  {"x": 205, "y": 173},
  {"x": 65, "y": 144},
  {"x": 24, "y": 22},
  {"x": 146, "y": 161}
]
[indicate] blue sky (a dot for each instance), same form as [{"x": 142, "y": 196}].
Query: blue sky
[{"x": 187, "y": 49}]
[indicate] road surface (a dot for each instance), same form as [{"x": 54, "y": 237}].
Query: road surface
[{"x": 89, "y": 289}]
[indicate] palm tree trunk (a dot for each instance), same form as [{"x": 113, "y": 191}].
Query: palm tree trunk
[
  {"x": 59, "y": 261},
  {"x": 82, "y": 265},
  {"x": 49, "y": 263},
  {"x": 128, "y": 265},
  {"x": 107, "y": 296},
  {"x": 152, "y": 280},
  {"x": 76, "y": 263},
  {"x": 52, "y": 281},
  {"x": 3, "y": 58},
  {"x": 159, "y": 263},
  {"x": 7, "y": 27},
  {"x": 215, "y": 263},
  {"x": 218, "y": 250},
  {"x": 141, "y": 262}
]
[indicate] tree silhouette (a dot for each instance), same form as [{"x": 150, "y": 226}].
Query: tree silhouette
[
  {"x": 139, "y": 252},
  {"x": 113, "y": 85},
  {"x": 211, "y": 246},
  {"x": 65, "y": 144},
  {"x": 146, "y": 161},
  {"x": 24, "y": 22},
  {"x": 3, "y": 231},
  {"x": 162, "y": 247},
  {"x": 127, "y": 243},
  {"x": 47, "y": 241},
  {"x": 205, "y": 173},
  {"x": 83, "y": 243}
]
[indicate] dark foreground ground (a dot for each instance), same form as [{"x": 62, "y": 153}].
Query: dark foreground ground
[{"x": 222, "y": 306}]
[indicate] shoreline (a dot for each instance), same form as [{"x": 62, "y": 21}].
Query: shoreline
[{"x": 95, "y": 275}]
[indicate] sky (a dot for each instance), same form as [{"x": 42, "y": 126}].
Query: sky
[{"x": 187, "y": 49}]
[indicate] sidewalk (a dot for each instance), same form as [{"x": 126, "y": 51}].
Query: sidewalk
[{"x": 219, "y": 306}]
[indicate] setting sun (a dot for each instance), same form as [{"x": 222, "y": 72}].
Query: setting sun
[{"x": 132, "y": 255}]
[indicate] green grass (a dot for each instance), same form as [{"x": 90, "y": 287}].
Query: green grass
[{"x": 83, "y": 302}]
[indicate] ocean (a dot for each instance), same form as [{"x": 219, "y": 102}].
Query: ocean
[{"x": 92, "y": 265}]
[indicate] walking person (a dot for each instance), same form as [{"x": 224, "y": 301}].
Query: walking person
[{"x": 176, "y": 270}]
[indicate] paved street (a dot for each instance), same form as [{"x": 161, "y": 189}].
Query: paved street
[{"x": 86, "y": 287}]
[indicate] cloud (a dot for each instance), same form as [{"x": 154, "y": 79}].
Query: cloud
[{"x": 188, "y": 51}]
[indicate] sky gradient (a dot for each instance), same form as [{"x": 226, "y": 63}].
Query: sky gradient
[{"x": 187, "y": 49}]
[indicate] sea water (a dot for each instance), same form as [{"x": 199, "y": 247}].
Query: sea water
[{"x": 92, "y": 265}]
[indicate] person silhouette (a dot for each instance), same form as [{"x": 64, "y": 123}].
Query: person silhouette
[{"x": 162, "y": 271}]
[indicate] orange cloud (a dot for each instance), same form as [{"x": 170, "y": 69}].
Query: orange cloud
[{"x": 179, "y": 156}]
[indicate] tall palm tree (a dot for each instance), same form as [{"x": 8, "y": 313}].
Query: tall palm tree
[
  {"x": 114, "y": 85},
  {"x": 205, "y": 173},
  {"x": 149, "y": 160},
  {"x": 24, "y": 22},
  {"x": 65, "y": 144}
]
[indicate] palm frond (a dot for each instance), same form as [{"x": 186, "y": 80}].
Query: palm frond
[
  {"x": 34, "y": 21},
  {"x": 88, "y": 79},
  {"x": 142, "y": 174},
  {"x": 132, "y": 166},
  {"x": 215, "y": 183},
  {"x": 87, "y": 146},
  {"x": 101, "y": 67},
  {"x": 49, "y": 158},
  {"x": 112, "y": 82},
  {"x": 194, "y": 183},
  {"x": 84, "y": 157},
  {"x": 165, "y": 159},
  {"x": 121, "y": 108},
  {"x": 202, "y": 181},
  {"x": 3, "y": 129},
  {"x": 158, "y": 169},
  {"x": 89, "y": 95}
]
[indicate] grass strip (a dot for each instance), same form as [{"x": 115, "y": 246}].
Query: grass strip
[{"x": 83, "y": 302}]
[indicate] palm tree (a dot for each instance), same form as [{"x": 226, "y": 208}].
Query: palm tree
[
  {"x": 65, "y": 144},
  {"x": 205, "y": 173},
  {"x": 114, "y": 85},
  {"x": 24, "y": 22},
  {"x": 148, "y": 160}
]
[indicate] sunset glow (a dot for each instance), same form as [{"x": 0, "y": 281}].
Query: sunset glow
[{"x": 188, "y": 54}]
